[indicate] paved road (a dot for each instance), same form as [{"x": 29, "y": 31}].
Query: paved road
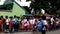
[{"x": 50, "y": 32}]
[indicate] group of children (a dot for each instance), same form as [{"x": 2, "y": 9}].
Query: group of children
[
  {"x": 42, "y": 23},
  {"x": 9, "y": 23}
]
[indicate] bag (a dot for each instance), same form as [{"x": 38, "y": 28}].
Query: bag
[
  {"x": 25, "y": 25},
  {"x": 15, "y": 21},
  {"x": 40, "y": 25}
]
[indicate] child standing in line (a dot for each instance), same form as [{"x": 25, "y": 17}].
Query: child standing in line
[
  {"x": 10, "y": 25},
  {"x": 3, "y": 23},
  {"x": 7, "y": 24},
  {"x": 0, "y": 24}
]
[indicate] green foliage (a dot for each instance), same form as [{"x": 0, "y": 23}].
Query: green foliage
[{"x": 50, "y": 6}]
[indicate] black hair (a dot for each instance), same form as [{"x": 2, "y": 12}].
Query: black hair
[
  {"x": 10, "y": 17},
  {"x": 1, "y": 16},
  {"x": 51, "y": 16},
  {"x": 43, "y": 17},
  {"x": 15, "y": 16},
  {"x": 6, "y": 16},
  {"x": 18, "y": 17},
  {"x": 54, "y": 18},
  {"x": 39, "y": 19}
]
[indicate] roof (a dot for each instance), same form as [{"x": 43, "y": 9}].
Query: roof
[{"x": 16, "y": 10}]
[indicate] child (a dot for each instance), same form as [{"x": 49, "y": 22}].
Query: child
[
  {"x": 0, "y": 24},
  {"x": 10, "y": 25},
  {"x": 3, "y": 23},
  {"x": 7, "y": 24}
]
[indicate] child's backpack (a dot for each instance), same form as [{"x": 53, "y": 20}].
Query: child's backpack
[
  {"x": 40, "y": 25},
  {"x": 15, "y": 21}
]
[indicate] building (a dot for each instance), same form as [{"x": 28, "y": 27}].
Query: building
[
  {"x": 10, "y": 8},
  {"x": 25, "y": 4}
]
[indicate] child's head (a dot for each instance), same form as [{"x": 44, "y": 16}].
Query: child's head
[
  {"x": 18, "y": 17},
  {"x": 15, "y": 16},
  {"x": 11, "y": 17},
  {"x": 1, "y": 16},
  {"x": 6, "y": 17}
]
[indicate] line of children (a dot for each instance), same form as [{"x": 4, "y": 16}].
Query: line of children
[
  {"x": 15, "y": 23},
  {"x": 8, "y": 24}
]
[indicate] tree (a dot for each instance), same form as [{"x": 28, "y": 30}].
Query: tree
[
  {"x": 55, "y": 4},
  {"x": 35, "y": 5},
  {"x": 50, "y": 6}
]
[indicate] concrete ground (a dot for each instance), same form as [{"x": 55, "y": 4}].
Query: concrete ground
[{"x": 49, "y": 32}]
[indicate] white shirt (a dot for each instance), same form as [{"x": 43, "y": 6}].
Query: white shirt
[
  {"x": 47, "y": 17},
  {"x": 57, "y": 22},
  {"x": 32, "y": 21},
  {"x": 7, "y": 21},
  {"x": 52, "y": 20},
  {"x": 28, "y": 23},
  {"x": 24, "y": 20},
  {"x": 44, "y": 22}
]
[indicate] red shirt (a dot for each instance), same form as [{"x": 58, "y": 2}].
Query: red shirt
[
  {"x": 10, "y": 23},
  {"x": 3, "y": 21},
  {"x": 0, "y": 22}
]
